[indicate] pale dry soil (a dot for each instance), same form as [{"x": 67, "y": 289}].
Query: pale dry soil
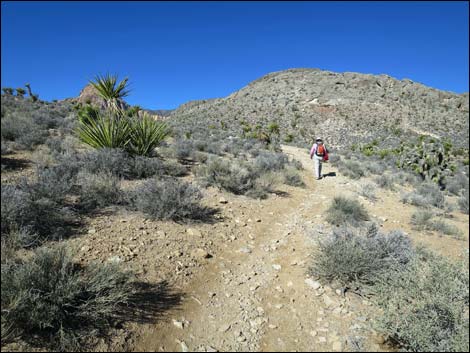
[
  {"x": 241, "y": 282},
  {"x": 253, "y": 295}
]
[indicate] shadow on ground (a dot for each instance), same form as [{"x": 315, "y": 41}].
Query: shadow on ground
[
  {"x": 14, "y": 163},
  {"x": 149, "y": 302}
]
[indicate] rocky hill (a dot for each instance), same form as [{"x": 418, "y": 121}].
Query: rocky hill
[{"x": 343, "y": 107}]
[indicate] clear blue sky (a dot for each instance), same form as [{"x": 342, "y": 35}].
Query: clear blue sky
[{"x": 174, "y": 52}]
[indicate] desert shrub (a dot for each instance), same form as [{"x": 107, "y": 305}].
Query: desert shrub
[
  {"x": 424, "y": 306},
  {"x": 108, "y": 160},
  {"x": 385, "y": 181},
  {"x": 200, "y": 157},
  {"x": 368, "y": 191},
  {"x": 357, "y": 259},
  {"x": 233, "y": 176},
  {"x": 50, "y": 301},
  {"x": 463, "y": 201},
  {"x": 344, "y": 211},
  {"x": 423, "y": 220},
  {"x": 351, "y": 169},
  {"x": 168, "y": 199},
  {"x": 296, "y": 164},
  {"x": 98, "y": 190},
  {"x": 426, "y": 195},
  {"x": 457, "y": 183},
  {"x": 34, "y": 216},
  {"x": 292, "y": 177},
  {"x": 270, "y": 161},
  {"x": 334, "y": 158},
  {"x": 23, "y": 130},
  {"x": 403, "y": 178},
  {"x": 182, "y": 149},
  {"x": 374, "y": 167},
  {"x": 145, "y": 167},
  {"x": 263, "y": 185}
]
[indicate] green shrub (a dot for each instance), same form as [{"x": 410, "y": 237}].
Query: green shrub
[
  {"x": 168, "y": 199},
  {"x": 50, "y": 301},
  {"x": 344, "y": 211},
  {"x": 358, "y": 259},
  {"x": 424, "y": 306}
]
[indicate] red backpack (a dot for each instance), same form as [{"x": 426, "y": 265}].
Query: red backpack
[{"x": 322, "y": 152}]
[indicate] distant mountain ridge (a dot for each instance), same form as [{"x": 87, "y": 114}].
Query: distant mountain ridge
[{"x": 343, "y": 107}]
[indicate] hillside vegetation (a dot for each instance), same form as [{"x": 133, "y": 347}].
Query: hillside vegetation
[{"x": 343, "y": 107}]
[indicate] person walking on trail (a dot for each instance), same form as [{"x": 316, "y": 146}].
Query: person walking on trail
[{"x": 319, "y": 153}]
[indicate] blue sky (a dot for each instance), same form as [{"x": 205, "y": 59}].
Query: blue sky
[{"x": 174, "y": 52}]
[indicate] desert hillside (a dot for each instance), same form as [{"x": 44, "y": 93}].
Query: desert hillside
[
  {"x": 205, "y": 231},
  {"x": 344, "y": 107}
]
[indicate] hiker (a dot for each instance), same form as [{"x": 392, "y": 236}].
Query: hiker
[{"x": 319, "y": 153}]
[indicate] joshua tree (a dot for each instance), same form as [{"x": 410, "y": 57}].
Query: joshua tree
[
  {"x": 8, "y": 91},
  {"x": 20, "y": 92},
  {"x": 111, "y": 91},
  {"x": 34, "y": 97},
  {"x": 28, "y": 86}
]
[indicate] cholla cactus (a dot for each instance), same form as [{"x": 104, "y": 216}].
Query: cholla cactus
[{"x": 429, "y": 158}]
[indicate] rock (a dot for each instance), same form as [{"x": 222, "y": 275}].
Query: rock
[
  {"x": 178, "y": 324},
  {"x": 194, "y": 232},
  {"x": 223, "y": 200},
  {"x": 277, "y": 267},
  {"x": 211, "y": 349},
  {"x": 290, "y": 284},
  {"x": 328, "y": 301},
  {"x": 258, "y": 220},
  {"x": 278, "y": 306},
  {"x": 321, "y": 339},
  {"x": 200, "y": 253},
  {"x": 184, "y": 347},
  {"x": 115, "y": 259},
  {"x": 337, "y": 346},
  {"x": 313, "y": 284},
  {"x": 245, "y": 250},
  {"x": 313, "y": 333},
  {"x": 225, "y": 328},
  {"x": 91, "y": 231},
  {"x": 271, "y": 326}
]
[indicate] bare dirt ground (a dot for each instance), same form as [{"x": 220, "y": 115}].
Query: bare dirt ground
[{"x": 241, "y": 282}]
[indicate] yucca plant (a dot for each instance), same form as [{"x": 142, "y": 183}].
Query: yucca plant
[
  {"x": 111, "y": 91},
  {"x": 146, "y": 134},
  {"x": 104, "y": 130}
]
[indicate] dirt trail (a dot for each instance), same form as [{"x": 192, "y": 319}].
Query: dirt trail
[{"x": 254, "y": 295}]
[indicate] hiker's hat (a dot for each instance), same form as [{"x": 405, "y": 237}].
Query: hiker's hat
[{"x": 318, "y": 139}]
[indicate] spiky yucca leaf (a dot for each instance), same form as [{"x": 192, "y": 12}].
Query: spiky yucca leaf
[
  {"x": 104, "y": 131},
  {"x": 108, "y": 88},
  {"x": 146, "y": 134}
]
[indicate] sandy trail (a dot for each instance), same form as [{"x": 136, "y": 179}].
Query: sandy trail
[{"x": 253, "y": 296}]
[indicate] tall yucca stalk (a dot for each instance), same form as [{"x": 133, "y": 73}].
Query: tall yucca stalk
[
  {"x": 146, "y": 134},
  {"x": 104, "y": 131},
  {"x": 111, "y": 91}
]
